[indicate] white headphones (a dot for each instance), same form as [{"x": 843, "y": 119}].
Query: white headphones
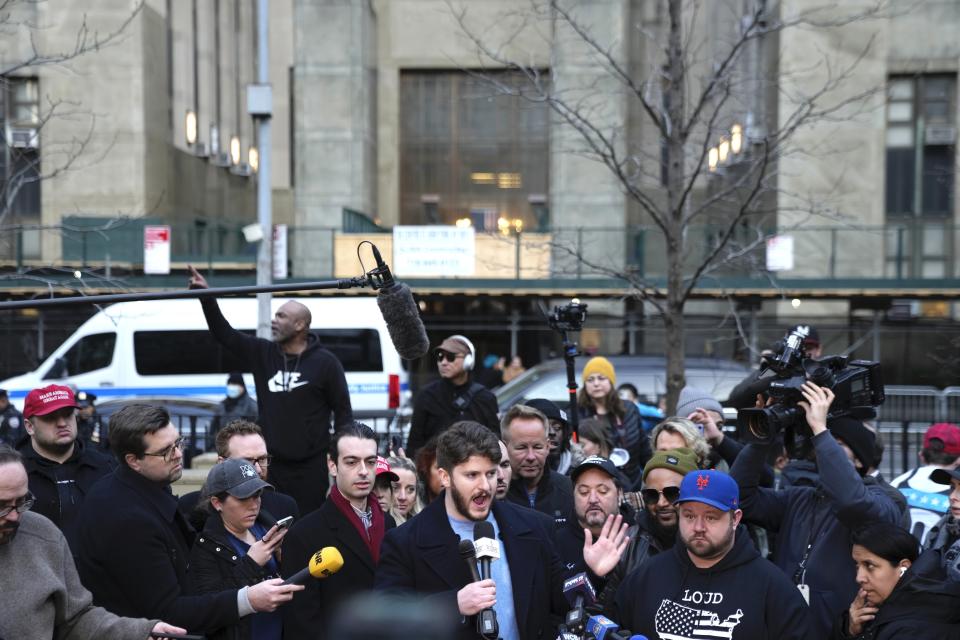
[{"x": 470, "y": 358}]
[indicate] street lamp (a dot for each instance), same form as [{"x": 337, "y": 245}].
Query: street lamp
[
  {"x": 253, "y": 159},
  {"x": 736, "y": 138},
  {"x": 190, "y": 127},
  {"x": 235, "y": 150}
]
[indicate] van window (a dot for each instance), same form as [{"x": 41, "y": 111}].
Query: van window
[
  {"x": 357, "y": 349},
  {"x": 161, "y": 353},
  {"x": 167, "y": 353},
  {"x": 88, "y": 354}
]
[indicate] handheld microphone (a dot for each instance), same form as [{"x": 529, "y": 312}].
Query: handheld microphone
[
  {"x": 487, "y": 547},
  {"x": 469, "y": 554},
  {"x": 400, "y": 312},
  {"x": 323, "y": 564},
  {"x": 580, "y": 594}
]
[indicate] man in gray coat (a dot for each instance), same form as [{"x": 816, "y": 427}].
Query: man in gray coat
[{"x": 43, "y": 597}]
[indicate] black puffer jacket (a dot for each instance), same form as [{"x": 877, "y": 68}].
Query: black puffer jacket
[
  {"x": 216, "y": 566},
  {"x": 923, "y": 606}
]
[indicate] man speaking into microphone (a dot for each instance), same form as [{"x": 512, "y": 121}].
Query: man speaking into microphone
[{"x": 525, "y": 584}]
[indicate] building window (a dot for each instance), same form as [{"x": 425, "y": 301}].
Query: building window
[
  {"x": 467, "y": 152},
  {"x": 921, "y": 135},
  {"x": 20, "y": 158}
]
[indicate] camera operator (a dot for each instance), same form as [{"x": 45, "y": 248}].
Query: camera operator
[{"x": 813, "y": 524}]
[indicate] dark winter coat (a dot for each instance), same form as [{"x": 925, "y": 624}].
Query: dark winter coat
[
  {"x": 134, "y": 548},
  {"x": 11, "y": 425},
  {"x": 230, "y": 409},
  {"x": 50, "y": 482},
  {"x": 216, "y": 566},
  {"x": 815, "y": 523},
  {"x": 297, "y": 395},
  {"x": 554, "y": 496},
  {"x": 743, "y": 595},
  {"x": 923, "y": 606},
  {"x": 309, "y": 614},
  {"x": 422, "y": 556},
  {"x": 435, "y": 408}
]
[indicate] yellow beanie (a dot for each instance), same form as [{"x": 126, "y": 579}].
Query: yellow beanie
[{"x": 602, "y": 366}]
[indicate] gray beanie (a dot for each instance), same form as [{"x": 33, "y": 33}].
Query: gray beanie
[{"x": 691, "y": 398}]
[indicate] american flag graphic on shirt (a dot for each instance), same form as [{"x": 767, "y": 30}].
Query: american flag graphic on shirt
[{"x": 677, "y": 622}]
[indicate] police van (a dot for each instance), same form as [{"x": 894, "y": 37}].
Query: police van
[{"x": 163, "y": 348}]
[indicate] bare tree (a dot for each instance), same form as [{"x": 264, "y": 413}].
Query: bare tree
[{"x": 688, "y": 94}]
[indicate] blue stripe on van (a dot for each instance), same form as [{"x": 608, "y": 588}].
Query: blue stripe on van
[{"x": 117, "y": 392}]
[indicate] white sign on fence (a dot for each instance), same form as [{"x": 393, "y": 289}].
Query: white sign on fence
[
  {"x": 433, "y": 251},
  {"x": 280, "y": 252},
  {"x": 156, "y": 249},
  {"x": 780, "y": 253}
]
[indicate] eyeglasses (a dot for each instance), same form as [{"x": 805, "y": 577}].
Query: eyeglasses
[
  {"x": 167, "y": 453},
  {"x": 20, "y": 505},
  {"x": 263, "y": 461},
  {"x": 652, "y": 496},
  {"x": 450, "y": 357}
]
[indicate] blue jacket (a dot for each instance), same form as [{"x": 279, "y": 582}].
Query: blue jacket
[
  {"x": 820, "y": 518},
  {"x": 422, "y": 556}
]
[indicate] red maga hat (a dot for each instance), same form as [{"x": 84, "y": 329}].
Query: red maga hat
[{"x": 48, "y": 399}]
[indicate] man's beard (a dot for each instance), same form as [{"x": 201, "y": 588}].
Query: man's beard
[
  {"x": 666, "y": 534},
  {"x": 713, "y": 550},
  {"x": 463, "y": 505},
  {"x": 8, "y": 531}
]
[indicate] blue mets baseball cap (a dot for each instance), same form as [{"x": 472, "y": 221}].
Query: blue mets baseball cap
[{"x": 714, "y": 488}]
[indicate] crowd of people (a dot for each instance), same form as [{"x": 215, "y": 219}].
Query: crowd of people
[{"x": 680, "y": 529}]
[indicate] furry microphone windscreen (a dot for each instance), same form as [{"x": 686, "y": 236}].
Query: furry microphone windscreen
[{"x": 402, "y": 315}]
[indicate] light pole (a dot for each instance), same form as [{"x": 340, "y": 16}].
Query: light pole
[{"x": 260, "y": 106}]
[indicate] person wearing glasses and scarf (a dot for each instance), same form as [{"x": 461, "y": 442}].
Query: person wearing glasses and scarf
[{"x": 452, "y": 398}]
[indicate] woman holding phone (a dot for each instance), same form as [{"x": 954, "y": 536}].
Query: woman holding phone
[{"x": 239, "y": 546}]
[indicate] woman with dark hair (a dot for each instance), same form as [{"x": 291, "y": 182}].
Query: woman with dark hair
[
  {"x": 595, "y": 437},
  {"x": 428, "y": 472},
  {"x": 598, "y": 398},
  {"x": 901, "y": 595}
]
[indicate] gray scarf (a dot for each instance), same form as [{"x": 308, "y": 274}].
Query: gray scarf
[{"x": 945, "y": 535}]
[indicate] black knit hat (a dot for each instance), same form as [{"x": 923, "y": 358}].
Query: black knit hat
[
  {"x": 236, "y": 377},
  {"x": 854, "y": 435}
]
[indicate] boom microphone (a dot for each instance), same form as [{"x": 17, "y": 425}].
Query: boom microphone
[
  {"x": 400, "y": 312},
  {"x": 323, "y": 564}
]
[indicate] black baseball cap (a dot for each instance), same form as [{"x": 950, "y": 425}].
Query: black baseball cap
[
  {"x": 235, "y": 476},
  {"x": 809, "y": 332},
  {"x": 549, "y": 409},
  {"x": 596, "y": 462},
  {"x": 944, "y": 476}
]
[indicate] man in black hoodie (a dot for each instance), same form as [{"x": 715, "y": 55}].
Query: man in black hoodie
[
  {"x": 300, "y": 385},
  {"x": 715, "y": 584}
]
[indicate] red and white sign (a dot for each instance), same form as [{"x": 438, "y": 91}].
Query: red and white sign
[{"x": 156, "y": 249}]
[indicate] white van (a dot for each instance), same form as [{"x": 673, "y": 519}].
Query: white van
[{"x": 163, "y": 348}]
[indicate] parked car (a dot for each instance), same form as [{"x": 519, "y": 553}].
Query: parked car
[{"x": 648, "y": 373}]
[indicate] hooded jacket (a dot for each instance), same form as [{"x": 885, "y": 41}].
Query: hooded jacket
[
  {"x": 742, "y": 597},
  {"x": 813, "y": 524},
  {"x": 441, "y": 403},
  {"x": 296, "y": 394},
  {"x": 922, "y": 606},
  {"x": 60, "y": 488}
]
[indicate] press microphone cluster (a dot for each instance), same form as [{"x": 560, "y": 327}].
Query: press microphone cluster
[
  {"x": 603, "y": 628},
  {"x": 323, "y": 564},
  {"x": 580, "y": 594},
  {"x": 400, "y": 311}
]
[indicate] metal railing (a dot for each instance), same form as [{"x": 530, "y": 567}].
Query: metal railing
[{"x": 891, "y": 252}]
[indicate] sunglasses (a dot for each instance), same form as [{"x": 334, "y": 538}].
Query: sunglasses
[
  {"x": 652, "y": 496},
  {"x": 450, "y": 357}
]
